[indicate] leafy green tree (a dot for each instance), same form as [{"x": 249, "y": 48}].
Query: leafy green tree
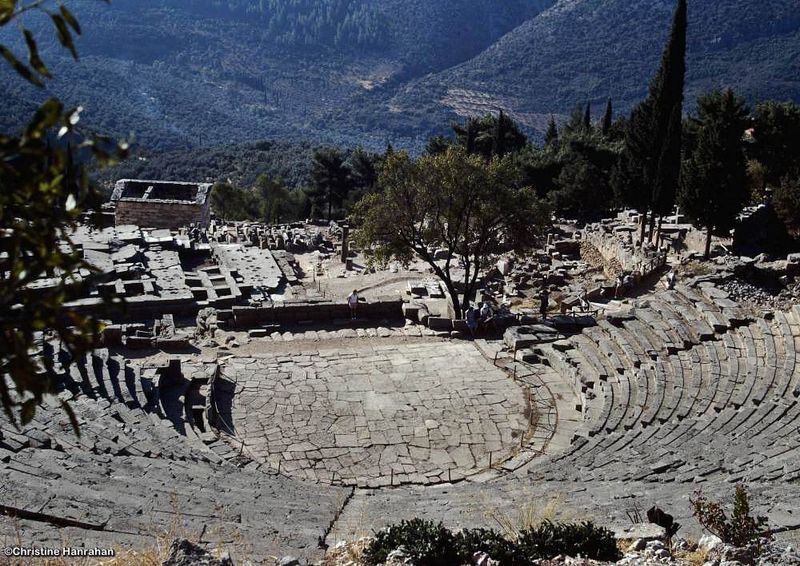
[
  {"x": 363, "y": 170},
  {"x": 275, "y": 201},
  {"x": 230, "y": 203},
  {"x": 454, "y": 201},
  {"x": 649, "y": 168},
  {"x": 787, "y": 203},
  {"x": 331, "y": 178},
  {"x": 583, "y": 186},
  {"x": 467, "y": 135},
  {"x": 757, "y": 181},
  {"x": 714, "y": 183},
  {"x": 44, "y": 191},
  {"x": 437, "y": 145},
  {"x": 776, "y": 132},
  {"x": 490, "y": 135},
  {"x": 577, "y": 120},
  {"x": 740, "y": 529}
]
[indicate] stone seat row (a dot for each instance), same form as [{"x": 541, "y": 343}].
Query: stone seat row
[
  {"x": 159, "y": 394},
  {"x": 641, "y": 386},
  {"x": 130, "y": 500}
]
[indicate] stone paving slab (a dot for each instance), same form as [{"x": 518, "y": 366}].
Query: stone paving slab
[{"x": 374, "y": 414}]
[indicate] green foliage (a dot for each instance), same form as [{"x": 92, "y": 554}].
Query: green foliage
[
  {"x": 270, "y": 201},
  {"x": 490, "y": 136},
  {"x": 551, "y": 134},
  {"x": 741, "y": 529},
  {"x": 428, "y": 543},
  {"x": 499, "y": 548},
  {"x": 649, "y": 169},
  {"x": 66, "y": 26},
  {"x": 240, "y": 164},
  {"x": 456, "y": 201},
  {"x": 331, "y": 180},
  {"x": 340, "y": 23},
  {"x": 44, "y": 189},
  {"x": 425, "y": 542},
  {"x": 574, "y": 171},
  {"x": 551, "y": 539},
  {"x": 608, "y": 119},
  {"x": 776, "y": 133},
  {"x": 714, "y": 181},
  {"x": 787, "y": 203}
]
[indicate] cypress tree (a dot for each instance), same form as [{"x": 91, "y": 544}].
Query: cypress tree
[
  {"x": 607, "y": 118},
  {"x": 500, "y": 135},
  {"x": 551, "y": 135},
  {"x": 649, "y": 169},
  {"x": 576, "y": 120},
  {"x": 587, "y": 117}
]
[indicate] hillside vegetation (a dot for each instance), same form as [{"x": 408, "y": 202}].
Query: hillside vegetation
[{"x": 188, "y": 73}]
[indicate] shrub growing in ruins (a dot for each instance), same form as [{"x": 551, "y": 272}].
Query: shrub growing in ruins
[
  {"x": 550, "y": 539},
  {"x": 740, "y": 529},
  {"x": 456, "y": 202},
  {"x": 43, "y": 191},
  {"x": 428, "y": 543},
  {"x": 499, "y": 548},
  {"x": 425, "y": 542}
]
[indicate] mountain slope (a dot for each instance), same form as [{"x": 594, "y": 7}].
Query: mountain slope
[
  {"x": 179, "y": 73},
  {"x": 187, "y": 73},
  {"x": 591, "y": 49}
]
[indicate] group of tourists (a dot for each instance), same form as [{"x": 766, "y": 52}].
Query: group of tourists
[{"x": 480, "y": 318}]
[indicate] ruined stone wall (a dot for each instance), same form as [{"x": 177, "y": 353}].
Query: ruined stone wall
[
  {"x": 616, "y": 246},
  {"x": 161, "y": 214},
  {"x": 294, "y": 312}
]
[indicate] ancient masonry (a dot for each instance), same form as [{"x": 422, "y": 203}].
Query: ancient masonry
[
  {"x": 282, "y": 426},
  {"x": 161, "y": 204}
]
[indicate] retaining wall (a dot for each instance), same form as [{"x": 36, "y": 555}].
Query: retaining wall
[{"x": 292, "y": 312}]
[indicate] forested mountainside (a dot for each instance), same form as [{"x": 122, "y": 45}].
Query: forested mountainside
[
  {"x": 187, "y": 73},
  {"x": 239, "y": 165},
  {"x": 588, "y": 50}
]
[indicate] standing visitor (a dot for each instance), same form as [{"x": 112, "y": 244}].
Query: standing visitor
[
  {"x": 352, "y": 302},
  {"x": 472, "y": 320},
  {"x": 544, "y": 303}
]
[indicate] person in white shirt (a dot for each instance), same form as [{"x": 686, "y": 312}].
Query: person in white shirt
[{"x": 352, "y": 302}]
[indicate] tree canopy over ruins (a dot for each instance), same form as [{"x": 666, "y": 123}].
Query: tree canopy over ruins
[{"x": 468, "y": 208}]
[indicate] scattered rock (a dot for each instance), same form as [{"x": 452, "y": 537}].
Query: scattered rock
[
  {"x": 483, "y": 559},
  {"x": 185, "y": 553},
  {"x": 708, "y": 542},
  {"x": 637, "y": 545}
]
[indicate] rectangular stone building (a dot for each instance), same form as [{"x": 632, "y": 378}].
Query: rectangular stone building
[{"x": 161, "y": 204}]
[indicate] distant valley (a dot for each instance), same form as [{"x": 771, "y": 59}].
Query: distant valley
[{"x": 179, "y": 74}]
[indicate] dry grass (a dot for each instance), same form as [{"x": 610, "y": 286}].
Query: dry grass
[
  {"x": 344, "y": 553},
  {"x": 153, "y": 554},
  {"x": 529, "y": 515},
  {"x": 695, "y": 557}
]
